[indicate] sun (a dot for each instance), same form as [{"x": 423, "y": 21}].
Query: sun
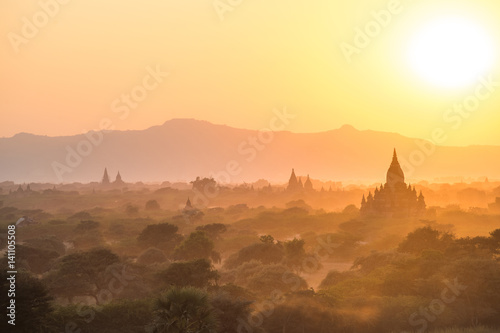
[{"x": 451, "y": 52}]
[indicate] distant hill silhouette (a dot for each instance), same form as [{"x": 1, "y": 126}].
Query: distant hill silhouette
[{"x": 182, "y": 149}]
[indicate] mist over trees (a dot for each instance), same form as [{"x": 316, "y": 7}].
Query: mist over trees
[{"x": 172, "y": 265}]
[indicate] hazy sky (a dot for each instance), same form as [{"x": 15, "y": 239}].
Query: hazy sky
[{"x": 72, "y": 71}]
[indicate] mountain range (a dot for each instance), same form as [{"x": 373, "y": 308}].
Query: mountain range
[{"x": 182, "y": 149}]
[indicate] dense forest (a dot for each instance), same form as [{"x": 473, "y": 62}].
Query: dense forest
[{"x": 125, "y": 261}]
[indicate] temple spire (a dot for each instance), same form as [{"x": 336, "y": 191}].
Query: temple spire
[
  {"x": 188, "y": 205},
  {"x": 105, "y": 177},
  {"x": 308, "y": 184},
  {"x": 118, "y": 179},
  {"x": 293, "y": 184},
  {"x": 395, "y": 174}
]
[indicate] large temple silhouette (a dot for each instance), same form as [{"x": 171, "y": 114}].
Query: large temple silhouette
[{"x": 395, "y": 198}]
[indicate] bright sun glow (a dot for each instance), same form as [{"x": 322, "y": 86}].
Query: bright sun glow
[{"x": 451, "y": 52}]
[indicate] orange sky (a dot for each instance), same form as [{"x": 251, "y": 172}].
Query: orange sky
[{"x": 68, "y": 74}]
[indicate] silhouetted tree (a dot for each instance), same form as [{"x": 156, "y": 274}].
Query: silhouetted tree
[
  {"x": 477, "y": 284},
  {"x": 213, "y": 230},
  {"x": 183, "y": 310},
  {"x": 81, "y": 274},
  {"x": 35, "y": 260},
  {"x": 425, "y": 238},
  {"x": 205, "y": 185},
  {"x": 229, "y": 311},
  {"x": 267, "y": 239},
  {"x": 197, "y": 273},
  {"x": 32, "y": 304},
  {"x": 266, "y": 253},
  {"x": 163, "y": 236},
  {"x": 196, "y": 245},
  {"x": 294, "y": 253},
  {"x": 152, "y": 205}
]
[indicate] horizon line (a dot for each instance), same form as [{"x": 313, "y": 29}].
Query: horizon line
[{"x": 342, "y": 127}]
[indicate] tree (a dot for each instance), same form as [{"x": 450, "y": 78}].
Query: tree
[
  {"x": 295, "y": 253},
  {"x": 183, "y": 310},
  {"x": 35, "y": 260},
  {"x": 195, "y": 273},
  {"x": 32, "y": 303},
  {"x": 213, "y": 230},
  {"x": 152, "y": 205},
  {"x": 229, "y": 310},
  {"x": 81, "y": 274},
  {"x": 205, "y": 185},
  {"x": 266, "y": 253},
  {"x": 196, "y": 246},
  {"x": 425, "y": 238},
  {"x": 476, "y": 283},
  {"x": 495, "y": 241},
  {"x": 163, "y": 236},
  {"x": 267, "y": 239}
]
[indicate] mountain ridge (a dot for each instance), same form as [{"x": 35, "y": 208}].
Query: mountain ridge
[{"x": 182, "y": 148}]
